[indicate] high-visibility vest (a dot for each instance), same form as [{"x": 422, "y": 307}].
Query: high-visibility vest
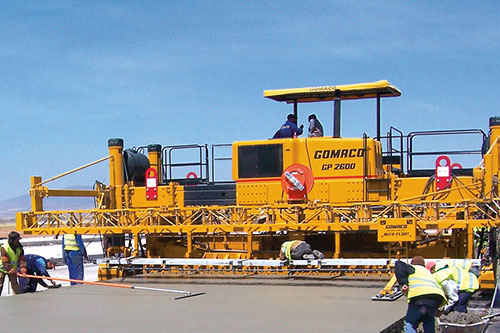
[
  {"x": 422, "y": 283},
  {"x": 13, "y": 257},
  {"x": 286, "y": 248},
  {"x": 70, "y": 243},
  {"x": 466, "y": 281},
  {"x": 465, "y": 264}
]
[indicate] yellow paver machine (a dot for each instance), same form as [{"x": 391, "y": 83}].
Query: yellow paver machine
[{"x": 361, "y": 201}]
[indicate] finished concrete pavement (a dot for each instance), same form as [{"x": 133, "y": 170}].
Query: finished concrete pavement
[{"x": 229, "y": 305}]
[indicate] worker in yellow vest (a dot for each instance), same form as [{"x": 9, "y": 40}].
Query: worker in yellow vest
[
  {"x": 12, "y": 255},
  {"x": 73, "y": 254},
  {"x": 423, "y": 292},
  {"x": 449, "y": 286},
  {"x": 462, "y": 263},
  {"x": 298, "y": 250},
  {"x": 466, "y": 281}
]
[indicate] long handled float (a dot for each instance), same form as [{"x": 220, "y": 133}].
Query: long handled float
[{"x": 184, "y": 293}]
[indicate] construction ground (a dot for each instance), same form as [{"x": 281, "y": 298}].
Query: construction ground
[
  {"x": 237, "y": 304},
  {"x": 228, "y": 305},
  {"x": 250, "y": 305},
  {"x": 243, "y": 304}
]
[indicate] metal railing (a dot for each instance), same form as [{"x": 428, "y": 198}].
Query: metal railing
[
  {"x": 201, "y": 164},
  {"x": 413, "y": 135},
  {"x": 216, "y": 159},
  {"x": 409, "y": 152}
]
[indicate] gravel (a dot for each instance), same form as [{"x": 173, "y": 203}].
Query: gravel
[{"x": 460, "y": 318}]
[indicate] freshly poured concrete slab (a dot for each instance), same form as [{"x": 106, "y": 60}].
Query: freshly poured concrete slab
[{"x": 229, "y": 305}]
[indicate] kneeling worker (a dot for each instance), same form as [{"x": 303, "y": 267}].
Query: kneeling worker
[
  {"x": 423, "y": 292},
  {"x": 36, "y": 265},
  {"x": 298, "y": 250}
]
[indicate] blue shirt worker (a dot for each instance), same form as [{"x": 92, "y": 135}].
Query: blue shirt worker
[
  {"x": 36, "y": 265},
  {"x": 73, "y": 253},
  {"x": 289, "y": 128},
  {"x": 12, "y": 255},
  {"x": 423, "y": 293}
]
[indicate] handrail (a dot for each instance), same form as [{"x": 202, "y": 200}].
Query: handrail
[
  {"x": 202, "y": 161},
  {"x": 74, "y": 170},
  {"x": 218, "y": 158},
  {"x": 412, "y": 135},
  {"x": 390, "y": 149}
]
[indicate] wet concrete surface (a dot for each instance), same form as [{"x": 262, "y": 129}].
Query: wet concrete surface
[{"x": 229, "y": 305}]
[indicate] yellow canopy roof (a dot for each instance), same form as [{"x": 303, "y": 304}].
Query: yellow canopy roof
[{"x": 328, "y": 93}]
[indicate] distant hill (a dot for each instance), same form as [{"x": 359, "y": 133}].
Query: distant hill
[{"x": 9, "y": 207}]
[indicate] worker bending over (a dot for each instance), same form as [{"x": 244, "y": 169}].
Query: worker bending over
[
  {"x": 12, "y": 255},
  {"x": 423, "y": 293},
  {"x": 298, "y": 250},
  {"x": 466, "y": 283},
  {"x": 73, "y": 253},
  {"x": 36, "y": 265},
  {"x": 449, "y": 287},
  {"x": 462, "y": 263}
]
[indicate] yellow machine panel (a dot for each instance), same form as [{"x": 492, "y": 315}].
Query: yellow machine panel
[
  {"x": 342, "y": 191},
  {"x": 341, "y": 164},
  {"x": 254, "y": 193}
]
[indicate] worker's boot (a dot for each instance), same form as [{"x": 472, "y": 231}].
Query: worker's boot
[
  {"x": 318, "y": 254},
  {"x": 308, "y": 256}
]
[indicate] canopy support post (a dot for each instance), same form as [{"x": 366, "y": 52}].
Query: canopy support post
[
  {"x": 336, "y": 118},
  {"x": 378, "y": 117}
]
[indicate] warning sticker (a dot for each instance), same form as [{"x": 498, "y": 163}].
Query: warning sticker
[{"x": 397, "y": 230}]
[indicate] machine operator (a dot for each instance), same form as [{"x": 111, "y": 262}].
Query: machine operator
[{"x": 289, "y": 129}]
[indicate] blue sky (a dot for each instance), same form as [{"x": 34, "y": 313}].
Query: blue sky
[{"x": 75, "y": 74}]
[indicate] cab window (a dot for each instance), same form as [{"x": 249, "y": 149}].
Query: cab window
[{"x": 260, "y": 161}]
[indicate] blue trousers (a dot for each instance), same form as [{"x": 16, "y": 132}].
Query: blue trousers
[
  {"x": 74, "y": 260},
  {"x": 28, "y": 285},
  {"x": 463, "y": 301},
  {"x": 417, "y": 314}
]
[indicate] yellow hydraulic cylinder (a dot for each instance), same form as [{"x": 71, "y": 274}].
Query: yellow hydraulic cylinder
[
  {"x": 494, "y": 130},
  {"x": 154, "y": 156},
  {"x": 115, "y": 147}
]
